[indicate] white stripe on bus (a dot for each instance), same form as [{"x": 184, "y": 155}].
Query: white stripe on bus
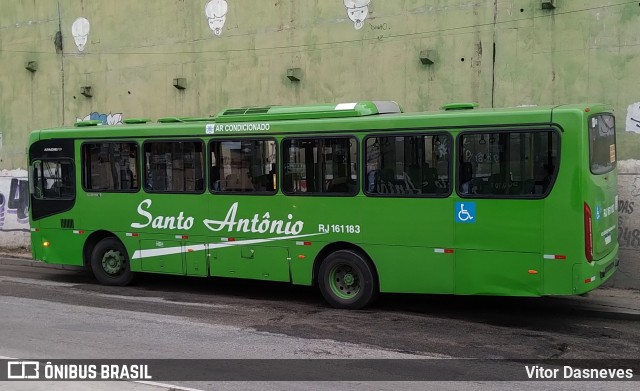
[{"x": 156, "y": 252}]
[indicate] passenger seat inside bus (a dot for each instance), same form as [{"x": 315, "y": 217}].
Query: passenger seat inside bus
[
  {"x": 338, "y": 185},
  {"x": 430, "y": 179},
  {"x": 498, "y": 184},
  {"x": 238, "y": 182},
  {"x": 468, "y": 184},
  {"x": 373, "y": 179}
]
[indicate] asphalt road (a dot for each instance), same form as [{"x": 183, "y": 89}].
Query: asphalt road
[{"x": 49, "y": 313}]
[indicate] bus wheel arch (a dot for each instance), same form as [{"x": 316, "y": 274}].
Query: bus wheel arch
[
  {"x": 108, "y": 259},
  {"x": 346, "y": 276},
  {"x": 90, "y": 243}
]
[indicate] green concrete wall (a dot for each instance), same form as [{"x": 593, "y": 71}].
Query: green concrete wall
[{"x": 581, "y": 51}]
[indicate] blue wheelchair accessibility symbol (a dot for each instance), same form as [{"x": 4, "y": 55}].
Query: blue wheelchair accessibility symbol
[{"x": 465, "y": 212}]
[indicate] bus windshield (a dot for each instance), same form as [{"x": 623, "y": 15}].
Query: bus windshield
[
  {"x": 602, "y": 143},
  {"x": 53, "y": 179}
]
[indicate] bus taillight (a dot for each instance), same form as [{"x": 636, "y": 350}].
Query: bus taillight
[{"x": 588, "y": 237}]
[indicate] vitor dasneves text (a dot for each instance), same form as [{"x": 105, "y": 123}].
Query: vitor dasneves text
[{"x": 568, "y": 372}]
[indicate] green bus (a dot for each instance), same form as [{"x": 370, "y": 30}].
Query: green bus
[{"x": 356, "y": 198}]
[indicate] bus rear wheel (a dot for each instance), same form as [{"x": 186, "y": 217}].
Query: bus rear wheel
[
  {"x": 347, "y": 280},
  {"x": 110, "y": 263}
]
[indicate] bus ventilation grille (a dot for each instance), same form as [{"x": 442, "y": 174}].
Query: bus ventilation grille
[
  {"x": 247, "y": 110},
  {"x": 66, "y": 223}
]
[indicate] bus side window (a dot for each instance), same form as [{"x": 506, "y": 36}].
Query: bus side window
[
  {"x": 509, "y": 164},
  {"x": 243, "y": 166},
  {"x": 174, "y": 166},
  {"x": 319, "y": 166},
  {"x": 407, "y": 165},
  {"x": 110, "y": 166}
]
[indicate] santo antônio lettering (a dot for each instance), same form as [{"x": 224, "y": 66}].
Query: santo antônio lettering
[
  {"x": 162, "y": 222},
  {"x": 258, "y": 223}
]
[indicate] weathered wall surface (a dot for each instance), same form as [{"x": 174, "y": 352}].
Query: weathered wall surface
[
  {"x": 237, "y": 52},
  {"x": 14, "y": 216},
  {"x": 629, "y": 225}
]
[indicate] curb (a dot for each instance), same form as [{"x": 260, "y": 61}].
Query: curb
[{"x": 13, "y": 261}]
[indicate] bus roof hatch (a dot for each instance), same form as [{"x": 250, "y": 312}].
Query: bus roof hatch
[
  {"x": 459, "y": 106},
  {"x": 91, "y": 122},
  {"x": 171, "y": 120},
  {"x": 342, "y": 110}
]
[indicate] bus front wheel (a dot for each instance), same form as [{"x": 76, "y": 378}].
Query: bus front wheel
[
  {"x": 110, "y": 263},
  {"x": 347, "y": 280}
]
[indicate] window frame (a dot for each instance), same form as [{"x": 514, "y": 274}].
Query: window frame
[
  {"x": 615, "y": 142},
  {"x": 258, "y": 193},
  {"x": 83, "y": 172},
  {"x": 55, "y": 159},
  {"x": 358, "y": 160},
  {"x": 404, "y": 133},
  {"x": 508, "y": 130},
  {"x": 172, "y": 140}
]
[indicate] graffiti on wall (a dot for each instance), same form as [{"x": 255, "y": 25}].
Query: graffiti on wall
[
  {"x": 628, "y": 235},
  {"x": 633, "y": 118},
  {"x": 14, "y": 200},
  {"x": 357, "y": 11},
  {"x": 107, "y": 119},
  {"x": 629, "y": 206},
  {"x": 629, "y": 190},
  {"x": 80, "y": 31},
  {"x": 216, "y": 11}
]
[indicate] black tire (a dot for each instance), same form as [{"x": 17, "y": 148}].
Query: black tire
[
  {"x": 347, "y": 280},
  {"x": 110, "y": 263}
]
